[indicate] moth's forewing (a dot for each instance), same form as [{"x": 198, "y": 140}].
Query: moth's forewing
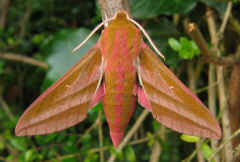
[
  {"x": 172, "y": 103},
  {"x": 67, "y": 101}
]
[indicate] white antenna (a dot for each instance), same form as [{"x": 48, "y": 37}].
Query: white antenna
[
  {"x": 105, "y": 23},
  {"x": 147, "y": 36},
  {"x": 88, "y": 37},
  {"x": 106, "y": 18}
]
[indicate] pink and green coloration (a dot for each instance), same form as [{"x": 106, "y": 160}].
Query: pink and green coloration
[{"x": 119, "y": 70}]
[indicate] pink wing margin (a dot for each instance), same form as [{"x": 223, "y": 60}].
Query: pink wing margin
[
  {"x": 67, "y": 101},
  {"x": 171, "y": 102}
]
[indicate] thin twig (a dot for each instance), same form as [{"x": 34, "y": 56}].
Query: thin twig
[
  {"x": 4, "y": 10},
  {"x": 100, "y": 134},
  {"x": 210, "y": 55},
  {"x": 138, "y": 141},
  {"x": 192, "y": 86},
  {"x": 94, "y": 125},
  {"x": 134, "y": 142},
  {"x": 6, "y": 108},
  {"x": 235, "y": 24},
  {"x": 156, "y": 148},
  {"x": 206, "y": 88},
  {"x": 223, "y": 104},
  {"x": 130, "y": 134},
  {"x": 156, "y": 152},
  {"x": 96, "y": 150},
  {"x": 225, "y": 19},
  {"x": 60, "y": 158},
  {"x": 192, "y": 155},
  {"x": 24, "y": 59},
  {"x": 198, "y": 69},
  {"x": 212, "y": 101},
  {"x": 24, "y": 21},
  {"x": 236, "y": 152},
  {"x": 223, "y": 144}
]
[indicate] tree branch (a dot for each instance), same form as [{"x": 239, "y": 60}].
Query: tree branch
[
  {"x": 4, "y": 10},
  {"x": 223, "y": 104},
  {"x": 212, "y": 101},
  {"x": 6, "y": 108},
  {"x": 25, "y": 59},
  {"x": 210, "y": 55},
  {"x": 225, "y": 19},
  {"x": 110, "y": 7},
  {"x": 223, "y": 144}
]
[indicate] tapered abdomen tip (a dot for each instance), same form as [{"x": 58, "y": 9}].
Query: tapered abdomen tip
[{"x": 116, "y": 138}]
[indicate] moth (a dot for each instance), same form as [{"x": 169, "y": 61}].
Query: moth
[{"x": 120, "y": 70}]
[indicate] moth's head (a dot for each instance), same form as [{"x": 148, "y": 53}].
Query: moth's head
[{"x": 121, "y": 15}]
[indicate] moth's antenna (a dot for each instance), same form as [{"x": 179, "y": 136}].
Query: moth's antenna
[
  {"x": 106, "y": 18},
  {"x": 105, "y": 23},
  {"x": 88, "y": 37},
  {"x": 147, "y": 36}
]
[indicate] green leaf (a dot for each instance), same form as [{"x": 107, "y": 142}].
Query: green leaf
[
  {"x": 30, "y": 155},
  {"x": 185, "y": 54},
  {"x": 156, "y": 125},
  {"x": 38, "y": 38},
  {"x": 93, "y": 112},
  {"x": 195, "y": 48},
  {"x": 130, "y": 154},
  {"x": 187, "y": 50},
  {"x": 60, "y": 49},
  {"x": 10, "y": 158},
  {"x": 50, "y": 137},
  {"x": 118, "y": 153},
  {"x": 2, "y": 144},
  {"x": 184, "y": 41},
  {"x": 69, "y": 159},
  {"x": 70, "y": 147},
  {"x": 151, "y": 139},
  {"x": 143, "y": 9},
  {"x": 206, "y": 151},
  {"x": 10, "y": 41},
  {"x": 1, "y": 66},
  {"x": 190, "y": 139},
  {"x": 91, "y": 157},
  {"x": 86, "y": 138},
  {"x": 18, "y": 143},
  {"x": 46, "y": 138},
  {"x": 174, "y": 44}
]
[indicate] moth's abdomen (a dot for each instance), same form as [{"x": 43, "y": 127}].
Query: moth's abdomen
[
  {"x": 119, "y": 100},
  {"x": 118, "y": 108}
]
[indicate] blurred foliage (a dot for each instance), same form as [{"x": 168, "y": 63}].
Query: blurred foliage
[
  {"x": 186, "y": 49},
  {"x": 47, "y": 30},
  {"x": 151, "y": 8},
  {"x": 60, "y": 47}
]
